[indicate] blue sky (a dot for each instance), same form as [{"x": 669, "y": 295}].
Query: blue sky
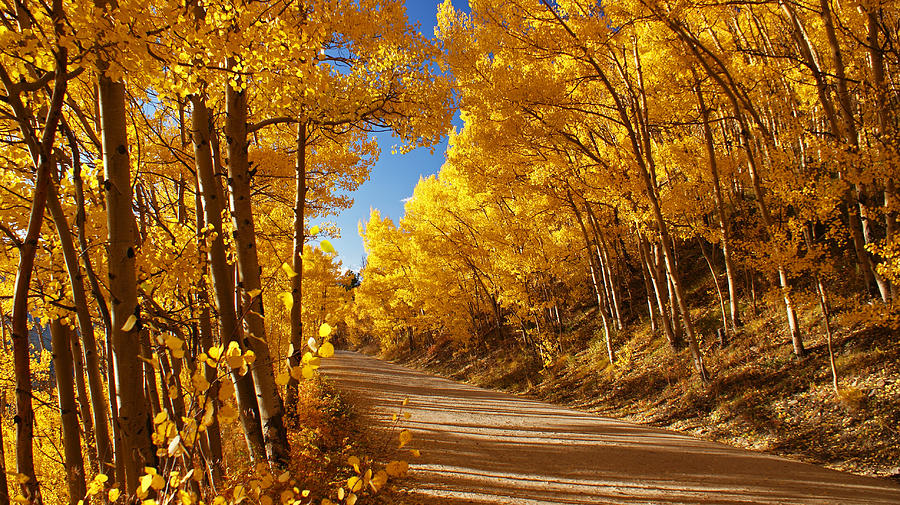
[{"x": 394, "y": 176}]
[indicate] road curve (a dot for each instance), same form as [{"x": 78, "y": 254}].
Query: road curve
[{"x": 481, "y": 446}]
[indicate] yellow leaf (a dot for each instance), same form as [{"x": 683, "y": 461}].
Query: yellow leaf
[
  {"x": 324, "y": 330},
  {"x": 113, "y": 494},
  {"x": 340, "y": 494},
  {"x": 354, "y": 462},
  {"x": 145, "y": 482},
  {"x": 253, "y": 293},
  {"x": 288, "y": 270},
  {"x": 405, "y": 401},
  {"x": 296, "y": 373},
  {"x": 314, "y": 230},
  {"x": 305, "y": 493},
  {"x": 234, "y": 357},
  {"x": 415, "y": 452},
  {"x": 287, "y": 299},
  {"x": 354, "y": 483},
  {"x": 397, "y": 468},
  {"x": 327, "y": 247},
  {"x": 173, "y": 342},
  {"x": 226, "y": 390},
  {"x": 379, "y": 480},
  {"x": 351, "y": 500},
  {"x": 249, "y": 356},
  {"x": 227, "y": 413},
  {"x": 129, "y": 323},
  {"x": 158, "y": 418},
  {"x": 266, "y": 500},
  {"x": 282, "y": 379},
  {"x": 308, "y": 372},
  {"x": 405, "y": 437},
  {"x": 327, "y": 350},
  {"x": 406, "y": 415},
  {"x": 284, "y": 477}
]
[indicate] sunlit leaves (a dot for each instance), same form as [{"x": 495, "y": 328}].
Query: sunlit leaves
[
  {"x": 288, "y": 270},
  {"x": 397, "y": 468},
  {"x": 287, "y": 299},
  {"x": 326, "y": 350},
  {"x": 129, "y": 323}
]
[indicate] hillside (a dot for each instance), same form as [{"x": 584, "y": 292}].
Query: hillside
[{"x": 760, "y": 396}]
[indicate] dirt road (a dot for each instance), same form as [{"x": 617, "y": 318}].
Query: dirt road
[{"x": 480, "y": 446}]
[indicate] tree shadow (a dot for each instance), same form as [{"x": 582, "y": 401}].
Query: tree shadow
[{"x": 481, "y": 446}]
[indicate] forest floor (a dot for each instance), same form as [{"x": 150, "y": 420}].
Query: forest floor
[{"x": 761, "y": 397}]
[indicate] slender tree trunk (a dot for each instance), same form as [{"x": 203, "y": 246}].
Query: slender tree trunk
[
  {"x": 84, "y": 400},
  {"x": 41, "y": 152},
  {"x": 740, "y": 102},
  {"x": 271, "y": 409},
  {"x": 592, "y": 263},
  {"x": 648, "y": 289},
  {"x": 137, "y": 450},
  {"x": 297, "y": 281},
  {"x": 222, "y": 274},
  {"x": 715, "y": 279},
  {"x": 724, "y": 227},
  {"x": 212, "y": 434},
  {"x": 216, "y": 467},
  {"x": 86, "y": 327},
  {"x": 21, "y": 346},
  {"x": 660, "y": 292},
  {"x": 62, "y": 363},
  {"x": 150, "y": 390},
  {"x": 645, "y": 163},
  {"x": 4, "y": 484},
  {"x": 883, "y": 115}
]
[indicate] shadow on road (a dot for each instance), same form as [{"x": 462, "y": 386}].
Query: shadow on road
[{"x": 481, "y": 446}]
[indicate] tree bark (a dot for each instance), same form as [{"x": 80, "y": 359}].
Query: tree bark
[
  {"x": 133, "y": 419},
  {"x": 297, "y": 281},
  {"x": 271, "y": 409},
  {"x": 86, "y": 327},
  {"x": 592, "y": 263},
  {"x": 62, "y": 362},
  {"x": 724, "y": 224},
  {"x": 222, "y": 273},
  {"x": 660, "y": 291},
  {"x": 739, "y": 102},
  {"x": 4, "y": 484}
]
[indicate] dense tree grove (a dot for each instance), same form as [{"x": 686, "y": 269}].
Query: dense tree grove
[
  {"x": 168, "y": 168},
  {"x": 612, "y": 153},
  {"x": 162, "y": 165}
]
